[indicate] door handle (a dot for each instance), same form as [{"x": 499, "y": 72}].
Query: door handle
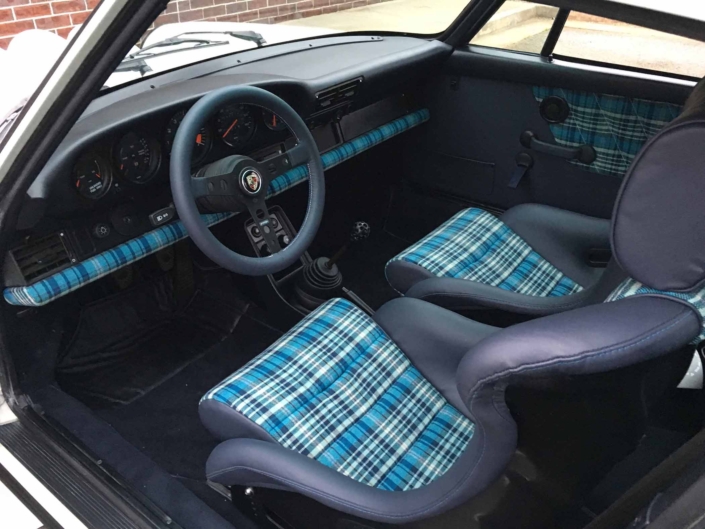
[{"x": 582, "y": 153}]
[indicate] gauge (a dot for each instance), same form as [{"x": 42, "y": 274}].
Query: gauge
[
  {"x": 92, "y": 177},
  {"x": 137, "y": 158},
  {"x": 273, "y": 121},
  {"x": 203, "y": 138},
  {"x": 235, "y": 125}
]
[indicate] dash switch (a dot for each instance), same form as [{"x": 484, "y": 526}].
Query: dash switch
[{"x": 162, "y": 216}]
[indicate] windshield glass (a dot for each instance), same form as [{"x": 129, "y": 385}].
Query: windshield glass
[{"x": 190, "y": 31}]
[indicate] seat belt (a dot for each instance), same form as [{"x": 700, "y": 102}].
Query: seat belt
[{"x": 622, "y": 512}]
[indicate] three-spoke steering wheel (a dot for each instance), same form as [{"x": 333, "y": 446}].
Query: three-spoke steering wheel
[{"x": 238, "y": 182}]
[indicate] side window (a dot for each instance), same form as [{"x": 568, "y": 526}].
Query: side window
[{"x": 525, "y": 26}]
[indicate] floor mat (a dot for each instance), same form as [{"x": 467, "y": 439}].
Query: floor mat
[
  {"x": 164, "y": 423},
  {"x": 128, "y": 344}
]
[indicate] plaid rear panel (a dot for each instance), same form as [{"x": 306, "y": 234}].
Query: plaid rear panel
[
  {"x": 632, "y": 287},
  {"x": 337, "y": 389},
  {"x": 616, "y": 126},
  {"x": 477, "y": 246}
]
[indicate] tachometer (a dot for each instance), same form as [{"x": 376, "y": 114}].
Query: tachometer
[
  {"x": 272, "y": 121},
  {"x": 137, "y": 158},
  {"x": 92, "y": 177},
  {"x": 235, "y": 124},
  {"x": 203, "y": 138}
]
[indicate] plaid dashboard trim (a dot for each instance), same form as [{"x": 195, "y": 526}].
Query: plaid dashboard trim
[
  {"x": 336, "y": 389},
  {"x": 349, "y": 149},
  {"x": 477, "y": 246},
  {"x": 616, "y": 126},
  {"x": 632, "y": 287},
  {"x": 76, "y": 276}
]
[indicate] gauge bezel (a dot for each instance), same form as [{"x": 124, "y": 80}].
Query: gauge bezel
[
  {"x": 105, "y": 169},
  {"x": 195, "y": 160},
  {"x": 155, "y": 159},
  {"x": 242, "y": 143}
]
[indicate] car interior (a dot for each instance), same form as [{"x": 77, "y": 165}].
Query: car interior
[{"x": 393, "y": 282}]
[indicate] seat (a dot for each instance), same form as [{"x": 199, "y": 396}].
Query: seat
[
  {"x": 534, "y": 259},
  {"x": 402, "y": 416}
]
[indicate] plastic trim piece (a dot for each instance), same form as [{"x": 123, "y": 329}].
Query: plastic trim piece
[{"x": 78, "y": 275}]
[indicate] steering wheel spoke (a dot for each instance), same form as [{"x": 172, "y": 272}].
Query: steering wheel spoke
[
  {"x": 213, "y": 186},
  {"x": 280, "y": 164},
  {"x": 260, "y": 214}
]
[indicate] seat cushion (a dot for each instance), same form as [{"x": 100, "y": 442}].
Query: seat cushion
[
  {"x": 338, "y": 390},
  {"x": 476, "y": 246}
]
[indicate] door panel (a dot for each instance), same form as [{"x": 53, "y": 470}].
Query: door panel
[{"x": 481, "y": 103}]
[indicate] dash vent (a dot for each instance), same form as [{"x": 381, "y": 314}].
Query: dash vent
[
  {"x": 38, "y": 258},
  {"x": 337, "y": 95}
]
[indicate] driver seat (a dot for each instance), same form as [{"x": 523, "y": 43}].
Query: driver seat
[{"x": 402, "y": 416}]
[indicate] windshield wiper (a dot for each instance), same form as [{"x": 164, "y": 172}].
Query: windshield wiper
[{"x": 135, "y": 61}]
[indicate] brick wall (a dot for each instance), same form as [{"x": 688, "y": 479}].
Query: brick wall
[{"x": 60, "y": 16}]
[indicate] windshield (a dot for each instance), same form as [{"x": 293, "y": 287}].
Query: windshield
[{"x": 191, "y": 31}]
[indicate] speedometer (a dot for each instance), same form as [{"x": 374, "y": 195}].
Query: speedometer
[
  {"x": 137, "y": 158},
  {"x": 235, "y": 124}
]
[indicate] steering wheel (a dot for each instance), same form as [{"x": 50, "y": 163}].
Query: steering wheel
[{"x": 237, "y": 182}]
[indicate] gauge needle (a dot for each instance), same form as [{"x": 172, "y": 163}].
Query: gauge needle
[
  {"x": 274, "y": 120},
  {"x": 199, "y": 139},
  {"x": 230, "y": 128}
]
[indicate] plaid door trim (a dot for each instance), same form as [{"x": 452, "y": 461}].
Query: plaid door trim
[
  {"x": 616, "y": 126},
  {"x": 631, "y": 287},
  {"x": 336, "y": 389},
  {"x": 96, "y": 267},
  {"x": 476, "y": 246}
]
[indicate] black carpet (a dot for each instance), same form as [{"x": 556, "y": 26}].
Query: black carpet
[
  {"x": 164, "y": 423},
  {"x": 126, "y": 345}
]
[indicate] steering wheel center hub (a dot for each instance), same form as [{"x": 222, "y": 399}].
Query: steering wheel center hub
[{"x": 251, "y": 181}]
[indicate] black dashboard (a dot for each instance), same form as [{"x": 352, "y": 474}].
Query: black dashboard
[{"x": 112, "y": 169}]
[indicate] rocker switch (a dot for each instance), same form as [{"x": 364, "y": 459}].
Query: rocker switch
[{"x": 162, "y": 216}]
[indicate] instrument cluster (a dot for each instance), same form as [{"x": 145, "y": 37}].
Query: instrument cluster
[{"x": 135, "y": 158}]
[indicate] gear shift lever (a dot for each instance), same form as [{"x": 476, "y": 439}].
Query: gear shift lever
[
  {"x": 360, "y": 232},
  {"x": 321, "y": 280}
]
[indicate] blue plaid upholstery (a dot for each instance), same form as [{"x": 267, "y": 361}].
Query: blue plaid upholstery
[
  {"x": 632, "y": 287},
  {"x": 336, "y": 389},
  {"x": 349, "y": 149},
  {"x": 477, "y": 246},
  {"x": 76, "y": 276},
  {"x": 616, "y": 126}
]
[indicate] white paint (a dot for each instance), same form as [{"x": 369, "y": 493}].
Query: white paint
[
  {"x": 39, "y": 492},
  {"x": 14, "y": 513}
]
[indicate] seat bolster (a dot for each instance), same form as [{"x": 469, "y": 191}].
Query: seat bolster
[
  {"x": 402, "y": 275},
  {"x": 458, "y": 294},
  {"x": 562, "y": 237},
  {"x": 434, "y": 339},
  {"x": 251, "y": 462},
  {"x": 588, "y": 340},
  {"x": 226, "y": 423}
]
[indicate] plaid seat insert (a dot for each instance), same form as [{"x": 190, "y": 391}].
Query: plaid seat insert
[
  {"x": 477, "y": 246},
  {"x": 336, "y": 389}
]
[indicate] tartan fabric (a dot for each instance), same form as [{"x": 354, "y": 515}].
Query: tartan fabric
[
  {"x": 349, "y": 149},
  {"x": 616, "y": 126},
  {"x": 632, "y": 287},
  {"x": 74, "y": 277},
  {"x": 336, "y": 389},
  {"x": 477, "y": 246}
]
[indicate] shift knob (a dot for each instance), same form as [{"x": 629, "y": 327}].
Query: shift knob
[{"x": 360, "y": 231}]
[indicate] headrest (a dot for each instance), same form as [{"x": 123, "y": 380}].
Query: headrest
[{"x": 658, "y": 222}]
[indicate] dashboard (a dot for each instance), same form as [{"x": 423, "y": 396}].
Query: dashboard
[{"x": 108, "y": 180}]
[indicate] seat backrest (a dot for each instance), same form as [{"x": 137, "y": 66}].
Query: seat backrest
[{"x": 658, "y": 240}]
